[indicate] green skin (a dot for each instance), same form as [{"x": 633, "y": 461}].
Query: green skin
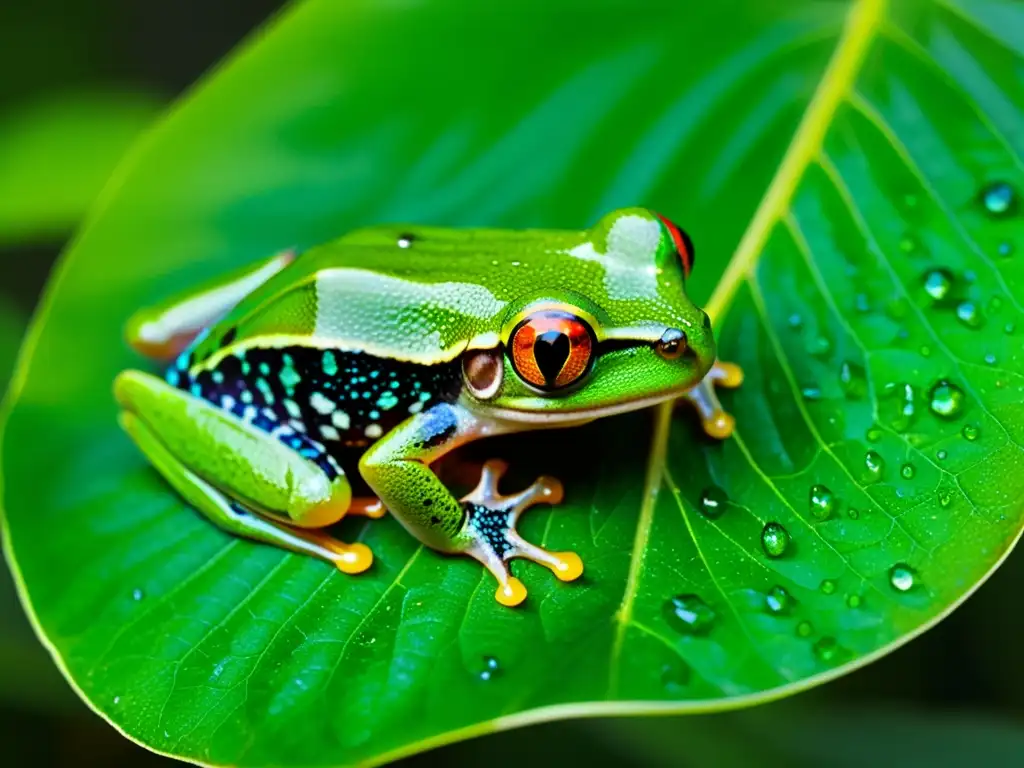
[{"x": 427, "y": 296}]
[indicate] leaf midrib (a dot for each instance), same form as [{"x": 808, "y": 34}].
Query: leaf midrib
[{"x": 862, "y": 23}]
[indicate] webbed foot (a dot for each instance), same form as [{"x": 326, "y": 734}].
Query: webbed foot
[
  {"x": 490, "y": 531},
  {"x": 716, "y": 422}
]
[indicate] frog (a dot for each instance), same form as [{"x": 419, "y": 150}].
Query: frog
[{"x": 326, "y": 383}]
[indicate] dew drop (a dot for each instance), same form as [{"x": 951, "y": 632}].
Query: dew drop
[
  {"x": 117, "y": 699},
  {"x": 941, "y": 455},
  {"x": 999, "y": 199},
  {"x": 1009, "y": 328},
  {"x": 689, "y": 614},
  {"x": 675, "y": 676},
  {"x": 873, "y": 435},
  {"x": 712, "y": 502},
  {"x": 811, "y": 392},
  {"x": 778, "y": 600},
  {"x": 138, "y": 594},
  {"x": 909, "y": 244},
  {"x": 990, "y": 359},
  {"x": 945, "y": 399},
  {"x": 970, "y": 432},
  {"x": 828, "y": 587},
  {"x": 901, "y": 576},
  {"x": 904, "y": 409},
  {"x": 820, "y": 346},
  {"x": 854, "y": 601},
  {"x": 945, "y": 499},
  {"x": 907, "y": 471},
  {"x": 968, "y": 313},
  {"x": 795, "y": 321},
  {"x": 853, "y": 380},
  {"x": 804, "y": 629},
  {"x": 405, "y": 241},
  {"x": 874, "y": 466},
  {"x": 853, "y": 513},
  {"x": 822, "y": 502},
  {"x": 491, "y": 668},
  {"x": 862, "y": 303},
  {"x": 1005, "y": 249},
  {"x": 937, "y": 283},
  {"x": 774, "y": 539},
  {"x": 826, "y": 649}
]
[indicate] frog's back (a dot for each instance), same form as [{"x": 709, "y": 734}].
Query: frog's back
[{"x": 417, "y": 294}]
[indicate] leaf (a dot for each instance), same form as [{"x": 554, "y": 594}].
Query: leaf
[
  {"x": 56, "y": 154},
  {"x": 824, "y": 157}
]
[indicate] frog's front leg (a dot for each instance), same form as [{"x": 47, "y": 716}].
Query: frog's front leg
[
  {"x": 481, "y": 525},
  {"x": 243, "y": 479},
  {"x": 716, "y": 422}
]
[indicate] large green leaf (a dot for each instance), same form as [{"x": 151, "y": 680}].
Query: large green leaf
[
  {"x": 57, "y": 153},
  {"x": 825, "y": 157}
]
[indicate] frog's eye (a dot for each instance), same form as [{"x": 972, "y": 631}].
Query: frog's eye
[
  {"x": 551, "y": 349},
  {"x": 683, "y": 243}
]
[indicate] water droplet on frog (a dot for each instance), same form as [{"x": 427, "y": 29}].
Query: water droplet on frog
[
  {"x": 405, "y": 241},
  {"x": 826, "y": 649},
  {"x": 713, "y": 501},
  {"x": 778, "y": 600},
  {"x": 907, "y": 471},
  {"x": 853, "y": 379},
  {"x": 874, "y": 466},
  {"x": 822, "y": 502},
  {"x": 138, "y": 594},
  {"x": 945, "y": 399},
  {"x": 1005, "y": 249},
  {"x": 937, "y": 283},
  {"x": 999, "y": 199},
  {"x": 774, "y": 539},
  {"x": 970, "y": 432},
  {"x": 689, "y": 614},
  {"x": 854, "y": 601},
  {"x": 828, "y": 587},
  {"x": 968, "y": 313},
  {"x": 901, "y": 576},
  {"x": 804, "y": 629},
  {"x": 491, "y": 668}
]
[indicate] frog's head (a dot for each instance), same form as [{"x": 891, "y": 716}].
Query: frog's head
[{"x": 615, "y": 332}]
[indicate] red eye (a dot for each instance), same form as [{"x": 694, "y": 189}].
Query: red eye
[
  {"x": 551, "y": 349},
  {"x": 684, "y": 246}
]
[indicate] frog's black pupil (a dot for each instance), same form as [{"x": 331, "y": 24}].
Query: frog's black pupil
[{"x": 551, "y": 350}]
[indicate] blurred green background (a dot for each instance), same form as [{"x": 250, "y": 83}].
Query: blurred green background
[{"x": 80, "y": 81}]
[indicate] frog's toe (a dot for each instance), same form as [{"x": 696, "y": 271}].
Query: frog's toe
[
  {"x": 351, "y": 558},
  {"x": 728, "y": 375},
  {"x": 490, "y": 530},
  {"x": 716, "y": 422}
]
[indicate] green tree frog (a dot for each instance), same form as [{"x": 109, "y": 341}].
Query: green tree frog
[{"x": 359, "y": 363}]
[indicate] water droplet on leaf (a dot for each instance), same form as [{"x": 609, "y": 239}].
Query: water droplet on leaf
[
  {"x": 804, "y": 629},
  {"x": 774, "y": 539},
  {"x": 138, "y": 594},
  {"x": 908, "y": 471},
  {"x": 854, "y": 601},
  {"x": 828, "y": 587},
  {"x": 853, "y": 380},
  {"x": 901, "y": 576},
  {"x": 874, "y": 466},
  {"x": 937, "y": 283},
  {"x": 945, "y": 399},
  {"x": 1005, "y": 249},
  {"x": 968, "y": 313},
  {"x": 822, "y": 501},
  {"x": 826, "y": 649},
  {"x": 689, "y": 614},
  {"x": 712, "y": 501},
  {"x": 999, "y": 199},
  {"x": 778, "y": 600},
  {"x": 970, "y": 432},
  {"x": 492, "y": 668}
]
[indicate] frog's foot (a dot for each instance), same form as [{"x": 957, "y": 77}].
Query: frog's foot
[
  {"x": 490, "y": 529},
  {"x": 716, "y": 422}
]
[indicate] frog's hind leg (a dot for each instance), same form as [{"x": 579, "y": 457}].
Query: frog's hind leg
[
  {"x": 494, "y": 540},
  {"x": 716, "y": 422},
  {"x": 243, "y": 479},
  {"x": 164, "y": 331}
]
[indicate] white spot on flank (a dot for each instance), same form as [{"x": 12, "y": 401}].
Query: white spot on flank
[
  {"x": 416, "y": 407},
  {"x": 321, "y": 404},
  {"x": 329, "y": 432},
  {"x": 269, "y": 414},
  {"x": 227, "y": 402},
  {"x": 298, "y": 426},
  {"x": 340, "y": 420},
  {"x": 374, "y": 431},
  {"x": 293, "y": 409}
]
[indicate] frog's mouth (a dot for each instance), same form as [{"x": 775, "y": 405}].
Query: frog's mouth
[{"x": 546, "y": 416}]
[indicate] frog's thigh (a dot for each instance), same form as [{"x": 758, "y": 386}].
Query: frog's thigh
[
  {"x": 349, "y": 558},
  {"x": 161, "y": 332},
  {"x": 246, "y": 463}
]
